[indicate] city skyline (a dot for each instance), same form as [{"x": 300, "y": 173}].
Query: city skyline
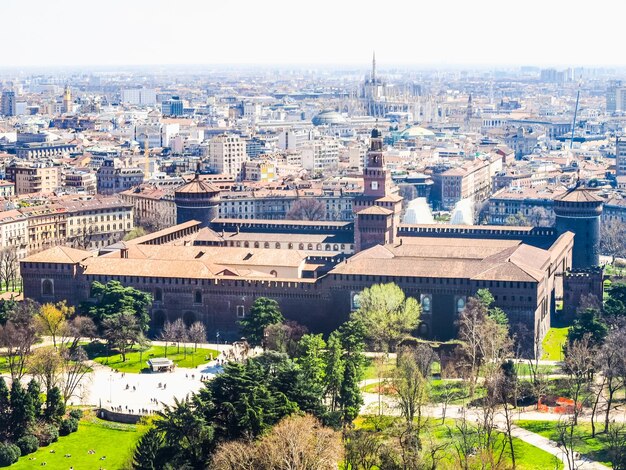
[{"x": 335, "y": 34}]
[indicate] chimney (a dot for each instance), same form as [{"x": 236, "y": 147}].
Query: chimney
[{"x": 124, "y": 253}]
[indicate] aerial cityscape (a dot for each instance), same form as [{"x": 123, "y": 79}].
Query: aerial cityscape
[{"x": 271, "y": 236}]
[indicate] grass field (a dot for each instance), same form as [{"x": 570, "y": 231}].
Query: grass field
[
  {"x": 527, "y": 456},
  {"x": 553, "y": 343},
  {"x": 593, "y": 448},
  {"x": 113, "y": 441},
  {"x": 136, "y": 361}
]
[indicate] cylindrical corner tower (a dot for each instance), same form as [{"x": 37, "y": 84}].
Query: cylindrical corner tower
[
  {"x": 578, "y": 210},
  {"x": 197, "y": 200}
]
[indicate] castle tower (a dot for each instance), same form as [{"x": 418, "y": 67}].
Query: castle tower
[
  {"x": 578, "y": 210},
  {"x": 67, "y": 100},
  {"x": 197, "y": 200},
  {"x": 377, "y": 211}
]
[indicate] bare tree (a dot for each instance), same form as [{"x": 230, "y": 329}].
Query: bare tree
[
  {"x": 567, "y": 440},
  {"x": 197, "y": 334},
  {"x": 9, "y": 267},
  {"x": 541, "y": 217},
  {"x": 616, "y": 445},
  {"x": 307, "y": 208},
  {"x": 611, "y": 361},
  {"x": 612, "y": 240},
  {"x": 362, "y": 450},
  {"x": 75, "y": 369},
  {"x": 168, "y": 334},
  {"x": 18, "y": 335},
  {"x": 578, "y": 365},
  {"x": 180, "y": 332},
  {"x": 45, "y": 364},
  {"x": 410, "y": 382},
  {"x": 75, "y": 329},
  {"x": 234, "y": 455}
]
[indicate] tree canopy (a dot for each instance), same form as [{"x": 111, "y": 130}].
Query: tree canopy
[
  {"x": 113, "y": 298},
  {"x": 264, "y": 312},
  {"x": 387, "y": 315}
]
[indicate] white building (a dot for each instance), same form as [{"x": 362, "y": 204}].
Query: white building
[
  {"x": 227, "y": 154},
  {"x": 320, "y": 155},
  {"x": 139, "y": 96}
]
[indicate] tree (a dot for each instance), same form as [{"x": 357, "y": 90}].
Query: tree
[
  {"x": 307, "y": 208},
  {"x": 75, "y": 368},
  {"x": 296, "y": 442},
  {"x": 300, "y": 442},
  {"x": 611, "y": 361},
  {"x": 334, "y": 369},
  {"x": 616, "y": 445},
  {"x": 615, "y": 305},
  {"x": 517, "y": 220},
  {"x": 18, "y": 335},
  {"x": 122, "y": 331},
  {"x": 264, "y": 312},
  {"x": 186, "y": 434},
  {"x": 612, "y": 242},
  {"x": 541, "y": 217},
  {"x": 55, "y": 406},
  {"x": 312, "y": 365},
  {"x": 9, "y": 266},
  {"x": 179, "y": 332},
  {"x": 387, "y": 315},
  {"x": 410, "y": 382},
  {"x": 135, "y": 233},
  {"x": 52, "y": 319},
  {"x": 578, "y": 365},
  {"x": 284, "y": 337},
  {"x": 113, "y": 299},
  {"x": 34, "y": 391},
  {"x": 168, "y": 334},
  {"x": 146, "y": 455},
  {"x": 75, "y": 329},
  {"x": 352, "y": 334},
  {"x": 22, "y": 411},
  {"x": 5, "y": 410},
  {"x": 588, "y": 324},
  {"x": 46, "y": 365},
  {"x": 197, "y": 334}
]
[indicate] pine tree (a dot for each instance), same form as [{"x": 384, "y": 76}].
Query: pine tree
[
  {"x": 334, "y": 369},
  {"x": 22, "y": 411},
  {"x": 5, "y": 410},
  {"x": 34, "y": 391},
  {"x": 350, "y": 397},
  {"x": 148, "y": 447},
  {"x": 55, "y": 406}
]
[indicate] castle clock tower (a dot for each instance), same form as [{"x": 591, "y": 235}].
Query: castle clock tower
[{"x": 377, "y": 211}]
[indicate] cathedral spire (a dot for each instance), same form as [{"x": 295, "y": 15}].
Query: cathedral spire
[{"x": 374, "y": 67}]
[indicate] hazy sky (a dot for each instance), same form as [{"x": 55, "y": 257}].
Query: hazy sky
[{"x": 482, "y": 32}]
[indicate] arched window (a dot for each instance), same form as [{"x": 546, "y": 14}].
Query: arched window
[
  {"x": 277, "y": 246},
  {"x": 319, "y": 247},
  {"x": 290, "y": 246},
  {"x": 158, "y": 319},
  {"x": 335, "y": 247},
  {"x": 158, "y": 295},
  {"x": 266, "y": 245},
  {"x": 47, "y": 287},
  {"x": 246, "y": 244},
  {"x": 309, "y": 246},
  {"x": 273, "y": 273},
  {"x": 327, "y": 247},
  {"x": 197, "y": 298},
  {"x": 256, "y": 244},
  {"x": 301, "y": 246}
]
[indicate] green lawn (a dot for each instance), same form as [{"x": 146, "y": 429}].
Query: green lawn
[
  {"x": 136, "y": 361},
  {"x": 527, "y": 456},
  {"x": 553, "y": 343},
  {"x": 593, "y": 448},
  {"x": 374, "y": 366},
  {"x": 111, "y": 440}
]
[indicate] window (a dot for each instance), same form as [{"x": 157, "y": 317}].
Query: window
[
  {"x": 47, "y": 287},
  {"x": 241, "y": 311},
  {"x": 277, "y": 246},
  {"x": 158, "y": 295},
  {"x": 198, "y": 297}
]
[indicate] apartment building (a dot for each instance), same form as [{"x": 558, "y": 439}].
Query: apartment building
[{"x": 33, "y": 178}]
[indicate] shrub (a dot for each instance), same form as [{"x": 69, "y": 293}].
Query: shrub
[
  {"x": 9, "y": 453},
  {"x": 76, "y": 413},
  {"x": 68, "y": 426},
  {"x": 47, "y": 434},
  {"x": 28, "y": 444}
]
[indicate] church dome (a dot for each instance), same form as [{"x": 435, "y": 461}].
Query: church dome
[
  {"x": 328, "y": 117},
  {"x": 415, "y": 132}
]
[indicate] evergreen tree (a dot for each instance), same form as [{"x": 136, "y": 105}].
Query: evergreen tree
[
  {"x": 22, "y": 411},
  {"x": 334, "y": 369},
  {"x": 34, "y": 391},
  {"x": 589, "y": 323},
  {"x": 114, "y": 298},
  {"x": 147, "y": 451},
  {"x": 264, "y": 312},
  {"x": 350, "y": 397},
  {"x": 55, "y": 406},
  {"x": 5, "y": 410}
]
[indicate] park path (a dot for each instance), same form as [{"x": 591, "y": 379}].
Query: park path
[{"x": 388, "y": 406}]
